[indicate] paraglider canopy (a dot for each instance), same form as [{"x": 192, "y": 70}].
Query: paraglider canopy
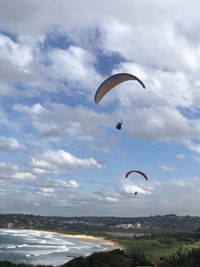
[
  {"x": 113, "y": 81},
  {"x": 141, "y": 173}
]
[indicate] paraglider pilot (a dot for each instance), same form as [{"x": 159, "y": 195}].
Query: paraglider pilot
[{"x": 119, "y": 125}]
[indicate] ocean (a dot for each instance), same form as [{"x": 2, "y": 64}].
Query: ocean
[{"x": 38, "y": 247}]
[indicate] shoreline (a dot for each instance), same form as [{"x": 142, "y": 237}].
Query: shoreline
[{"x": 108, "y": 244}]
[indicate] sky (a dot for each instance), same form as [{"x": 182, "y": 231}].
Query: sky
[{"x": 60, "y": 153}]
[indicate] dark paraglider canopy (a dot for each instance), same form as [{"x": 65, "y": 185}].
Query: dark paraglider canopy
[
  {"x": 141, "y": 173},
  {"x": 113, "y": 81}
]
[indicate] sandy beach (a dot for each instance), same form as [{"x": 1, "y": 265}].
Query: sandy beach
[
  {"x": 93, "y": 239},
  {"x": 109, "y": 244}
]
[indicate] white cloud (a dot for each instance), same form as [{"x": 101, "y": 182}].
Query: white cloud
[
  {"x": 35, "y": 109},
  {"x": 196, "y": 158},
  {"x": 167, "y": 168},
  {"x": 60, "y": 121},
  {"x": 47, "y": 190},
  {"x": 193, "y": 146},
  {"x": 7, "y": 122},
  {"x": 163, "y": 88},
  {"x": 8, "y": 166},
  {"x": 105, "y": 198},
  {"x": 9, "y": 144},
  {"x": 160, "y": 124},
  {"x": 70, "y": 183},
  {"x": 9, "y": 74},
  {"x": 24, "y": 176},
  {"x": 11, "y": 173},
  {"x": 58, "y": 183},
  {"x": 111, "y": 199},
  {"x": 15, "y": 53},
  {"x": 179, "y": 183},
  {"x": 181, "y": 156},
  {"x": 130, "y": 41},
  {"x": 129, "y": 188},
  {"x": 60, "y": 162},
  {"x": 76, "y": 65}
]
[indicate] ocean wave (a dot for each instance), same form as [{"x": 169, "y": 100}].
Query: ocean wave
[
  {"x": 36, "y": 246},
  {"x": 23, "y": 245},
  {"x": 55, "y": 241},
  {"x": 22, "y": 233},
  {"x": 45, "y": 253},
  {"x": 10, "y": 246},
  {"x": 43, "y": 241}
]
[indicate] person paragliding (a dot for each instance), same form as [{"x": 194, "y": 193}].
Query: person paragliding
[
  {"x": 139, "y": 172},
  {"x": 119, "y": 125},
  {"x": 111, "y": 83}
]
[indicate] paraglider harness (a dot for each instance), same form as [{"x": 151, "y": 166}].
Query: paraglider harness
[{"x": 119, "y": 125}]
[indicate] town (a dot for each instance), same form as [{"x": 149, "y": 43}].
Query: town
[{"x": 151, "y": 224}]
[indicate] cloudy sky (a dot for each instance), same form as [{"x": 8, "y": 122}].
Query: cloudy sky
[{"x": 60, "y": 153}]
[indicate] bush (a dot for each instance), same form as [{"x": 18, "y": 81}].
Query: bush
[
  {"x": 114, "y": 258},
  {"x": 182, "y": 258}
]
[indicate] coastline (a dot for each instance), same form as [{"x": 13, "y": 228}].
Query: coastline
[{"x": 108, "y": 244}]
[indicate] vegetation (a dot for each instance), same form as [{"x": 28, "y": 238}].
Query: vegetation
[
  {"x": 159, "y": 245},
  {"x": 115, "y": 258},
  {"x": 11, "y": 264},
  {"x": 119, "y": 258},
  {"x": 182, "y": 258}
]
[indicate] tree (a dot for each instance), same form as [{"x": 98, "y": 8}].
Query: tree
[{"x": 182, "y": 258}]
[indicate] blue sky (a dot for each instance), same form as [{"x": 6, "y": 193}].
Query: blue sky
[{"x": 60, "y": 153}]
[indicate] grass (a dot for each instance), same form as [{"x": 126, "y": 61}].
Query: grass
[{"x": 153, "y": 249}]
